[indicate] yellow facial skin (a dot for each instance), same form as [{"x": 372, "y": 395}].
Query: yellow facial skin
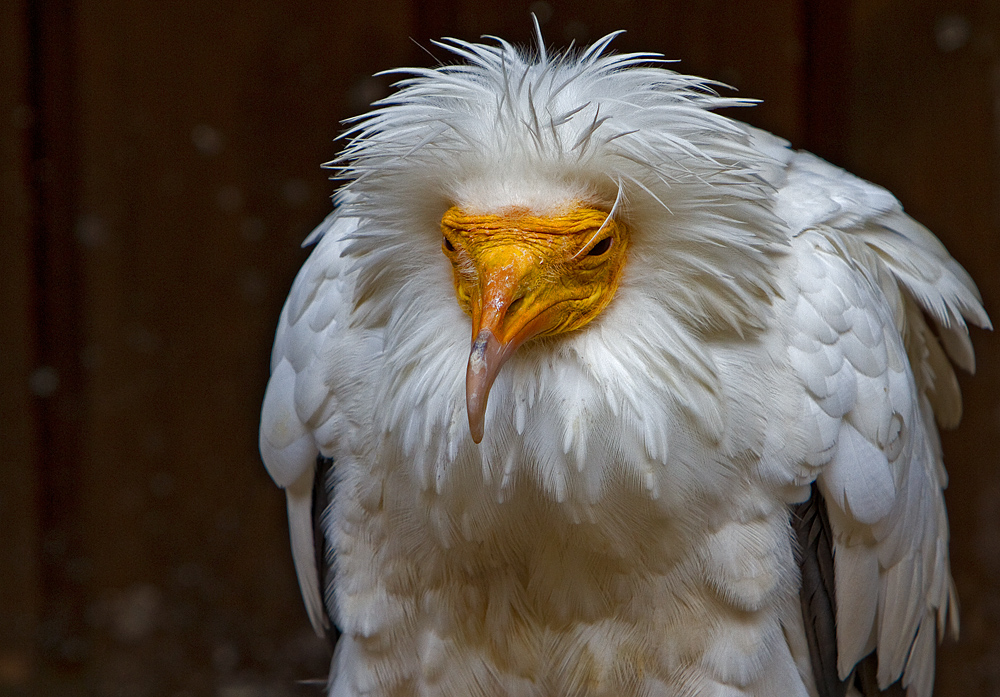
[{"x": 519, "y": 276}]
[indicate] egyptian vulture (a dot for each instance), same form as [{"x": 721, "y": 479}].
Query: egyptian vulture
[{"x": 587, "y": 389}]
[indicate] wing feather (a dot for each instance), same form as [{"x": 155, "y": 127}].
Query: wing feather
[
  {"x": 867, "y": 278},
  {"x": 857, "y": 582},
  {"x": 299, "y": 404},
  {"x": 299, "y": 500}
]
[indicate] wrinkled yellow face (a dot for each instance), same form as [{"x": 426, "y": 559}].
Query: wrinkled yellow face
[{"x": 519, "y": 276}]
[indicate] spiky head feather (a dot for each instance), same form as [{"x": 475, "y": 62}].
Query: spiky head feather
[{"x": 508, "y": 128}]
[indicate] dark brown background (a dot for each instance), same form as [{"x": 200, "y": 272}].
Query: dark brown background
[{"x": 159, "y": 167}]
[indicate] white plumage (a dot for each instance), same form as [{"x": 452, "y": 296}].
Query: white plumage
[{"x": 626, "y": 525}]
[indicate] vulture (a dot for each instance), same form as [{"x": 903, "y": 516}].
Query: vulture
[{"x": 588, "y": 390}]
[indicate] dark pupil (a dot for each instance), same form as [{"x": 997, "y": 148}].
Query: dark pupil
[
  {"x": 600, "y": 248},
  {"x": 448, "y": 245}
]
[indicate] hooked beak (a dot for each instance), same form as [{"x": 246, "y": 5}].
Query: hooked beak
[
  {"x": 505, "y": 316},
  {"x": 485, "y": 361}
]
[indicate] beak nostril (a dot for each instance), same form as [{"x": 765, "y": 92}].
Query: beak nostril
[{"x": 514, "y": 305}]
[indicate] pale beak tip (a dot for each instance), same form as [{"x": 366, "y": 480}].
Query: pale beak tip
[
  {"x": 485, "y": 360},
  {"x": 476, "y": 429}
]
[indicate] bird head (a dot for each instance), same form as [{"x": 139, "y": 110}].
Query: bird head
[
  {"x": 564, "y": 192},
  {"x": 519, "y": 276}
]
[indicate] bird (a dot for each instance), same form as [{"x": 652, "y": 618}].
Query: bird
[{"x": 589, "y": 389}]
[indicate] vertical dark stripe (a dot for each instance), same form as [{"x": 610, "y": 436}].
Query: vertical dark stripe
[
  {"x": 321, "y": 499},
  {"x": 818, "y": 594},
  {"x": 57, "y": 303},
  {"x": 826, "y": 29}
]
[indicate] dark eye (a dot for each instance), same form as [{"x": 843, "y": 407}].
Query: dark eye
[
  {"x": 600, "y": 248},
  {"x": 448, "y": 245}
]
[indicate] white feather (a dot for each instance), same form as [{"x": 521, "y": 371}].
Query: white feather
[
  {"x": 298, "y": 497},
  {"x": 288, "y": 449}
]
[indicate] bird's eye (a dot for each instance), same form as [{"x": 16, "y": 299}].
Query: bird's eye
[
  {"x": 600, "y": 248},
  {"x": 448, "y": 245}
]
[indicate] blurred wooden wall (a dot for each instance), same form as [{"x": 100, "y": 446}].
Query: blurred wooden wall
[{"x": 159, "y": 165}]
